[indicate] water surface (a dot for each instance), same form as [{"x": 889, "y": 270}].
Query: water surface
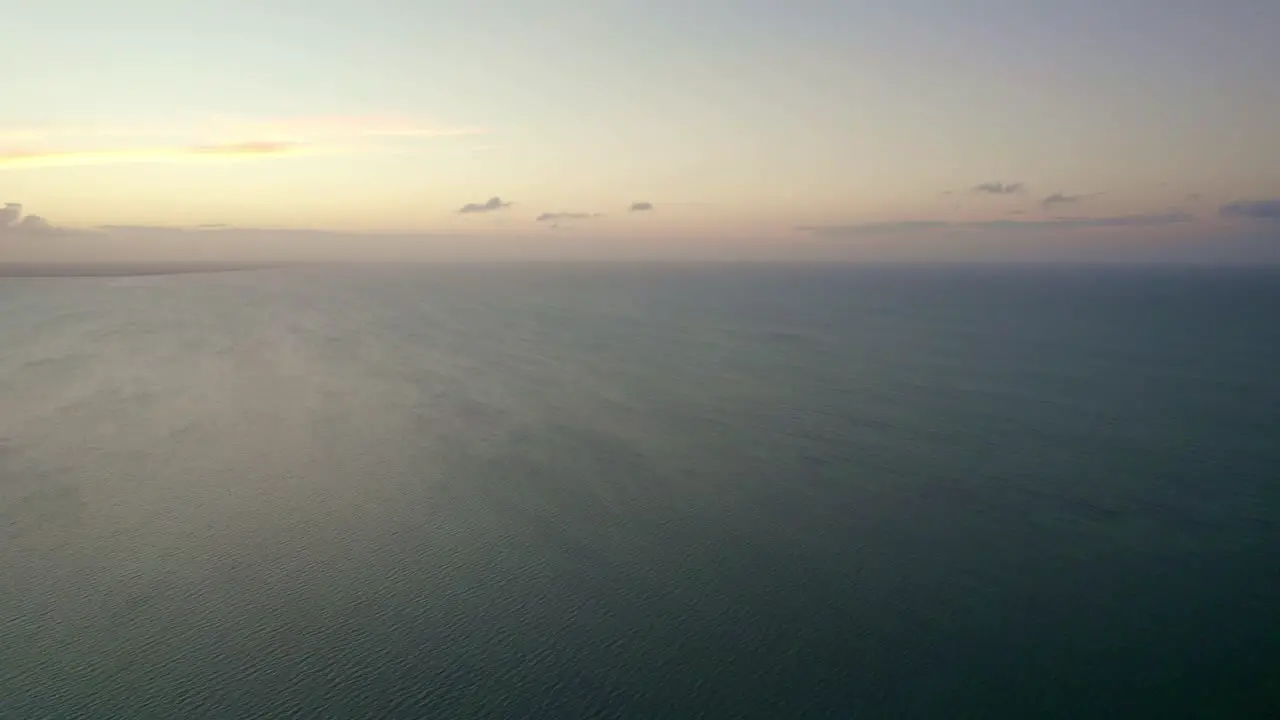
[{"x": 607, "y": 492}]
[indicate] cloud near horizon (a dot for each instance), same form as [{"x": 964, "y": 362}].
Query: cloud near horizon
[
  {"x": 12, "y": 221},
  {"x": 1062, "y": 223},
  {"x": 641, "y": 207},
  {"x": 998, "y": 188},
  {"x": 1064, "y": 199},
  {"x": 558, "y": 216},
  {"x": 140, "y": 228},
  {"x": 1252, "y": 209},
  {"x": 35, "y": 223},
  {"x": 493, "y": 203}
]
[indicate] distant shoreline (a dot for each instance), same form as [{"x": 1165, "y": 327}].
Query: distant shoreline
[{"x": 92, "y": 270}]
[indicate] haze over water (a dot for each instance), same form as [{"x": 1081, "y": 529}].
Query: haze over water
[{"x": 650, "y": 491}]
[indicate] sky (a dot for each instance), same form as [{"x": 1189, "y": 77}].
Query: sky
[{"x": 716, "y": 129}]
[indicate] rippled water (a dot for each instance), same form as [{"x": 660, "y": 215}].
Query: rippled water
[{"x": 641, "y": 492}]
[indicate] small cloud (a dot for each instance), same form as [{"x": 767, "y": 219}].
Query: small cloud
[
  {"x": 1252, "y": 209},
  {"x": 555, "y": 217},
  {"x": 1193, "y": 197},
  {"x": 1170, "y": 218},
  {"x": 9, "y": 214},
  {"x": 1062, "y": 199},
  {"x": 998, "y": 188},
  {"x": 1017, "y": 212},
  {"x": 641, "y": 206},
  {"x": 876, "y": 228},
  {"x": 493, "y": 203},
  {"x": 212, "y": 226},
  {"x": 139, "y": 229},
  {"x": 35, "y": 223}
]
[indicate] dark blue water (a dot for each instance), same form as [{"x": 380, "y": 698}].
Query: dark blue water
[{"x": 641, "y": 492}]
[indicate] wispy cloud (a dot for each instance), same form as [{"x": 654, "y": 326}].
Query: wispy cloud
[
  {"x": 1062, "y": 223},
  {"x": 493, "y": 203},
  {"x": 558, "y": 216},
  {"x": 227, "y": 129},
  {"x": 1065, "y": 199},
  {"x": 66, "y": 158},
  {"x": 641, "y": 207},
  {"x": 875, "y": 228},
  {"x": 253, "y": 147},
  {"x": 998, "y": 188},
  {"x": 1171, "y": 218},
  {"x": 314, "y": 129},
  {"x": 140, "y": 229},
  {"x": 51, "y": 146},
  {"x": 1252, "y": 209},
  {"x": 56, "y": 133},
  {"x": 9, "y": 214}
]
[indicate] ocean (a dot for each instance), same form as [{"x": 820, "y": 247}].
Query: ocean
[{"x": 641, "y": 492}]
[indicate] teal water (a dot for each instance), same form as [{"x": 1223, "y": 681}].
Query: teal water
[{"x": 641, "y": 492}]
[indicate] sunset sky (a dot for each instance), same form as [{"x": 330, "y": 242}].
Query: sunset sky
[{"x": 831, "y": 128}]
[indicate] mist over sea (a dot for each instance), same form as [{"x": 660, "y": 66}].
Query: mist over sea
[{"x": 641, "y": 492}]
